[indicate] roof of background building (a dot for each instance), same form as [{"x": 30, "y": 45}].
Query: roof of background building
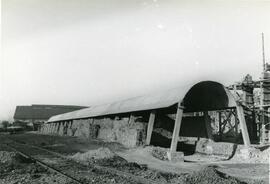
[{"x": 36, "y": 111}]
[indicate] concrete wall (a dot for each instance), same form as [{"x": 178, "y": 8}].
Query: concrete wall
[{"x": 129, "y": 130}]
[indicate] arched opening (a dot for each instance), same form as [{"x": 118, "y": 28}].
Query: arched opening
[
  {"x": 205, "y": 96},
  {"x": 198, "y": 101}
]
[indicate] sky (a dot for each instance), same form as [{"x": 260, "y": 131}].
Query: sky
[{"x": 87, "y": 52}]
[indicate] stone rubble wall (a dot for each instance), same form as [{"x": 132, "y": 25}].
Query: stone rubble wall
[{"x": 126, "y": 130}]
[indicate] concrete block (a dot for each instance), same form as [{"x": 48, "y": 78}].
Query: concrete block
[
  {"x": 209, "y": 147},
  {"x": 175, "y": 156},
  {"x": 248, "y": 153},
  {"x": 165, "y": 154},
  {"x": 223, "y": 149},
  {"x": 202, "y": 146},
  {"x": 160, "y": 153}
]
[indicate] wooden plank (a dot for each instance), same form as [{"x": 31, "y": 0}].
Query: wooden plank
[
  {"x": 150, "y": 127},
  {"x": 207, "y": 121},
  {"x": 243, "y": 125},
  {"x": 176, "y": 129}
]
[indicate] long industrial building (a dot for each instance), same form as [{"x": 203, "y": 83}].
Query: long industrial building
[{"x": 163, "y": 119}]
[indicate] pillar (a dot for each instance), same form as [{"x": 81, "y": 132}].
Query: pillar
[
  {"x": 207, "y": 121},
  {"x": 243, "y": 125},
  {"x": 150, "y": 127},
  {"x": 176, "y": 130}
]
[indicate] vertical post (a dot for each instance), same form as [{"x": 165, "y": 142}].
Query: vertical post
[
  {"x": 51, "y": 126},
  {"x": 243, "y": 125},
  {"x": 91, "y": 129},
  {"x": 207, "y": 121},
  {"x": 176, "y": 129},
  {"x": 48, "y": 128},
  {"x": 219, "y": 125},
  {"x": 150, "y": 127},
  {"x": 58, "y": 127},
  {"x": 131, "y": 119},
  {"x": 263, "y": 55},
  {"x": 235, "y": 124}
]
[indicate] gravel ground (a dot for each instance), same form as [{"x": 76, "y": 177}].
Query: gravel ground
[
  {"x": 101, "y": 154},
  {"x": 15, "y": 169}
]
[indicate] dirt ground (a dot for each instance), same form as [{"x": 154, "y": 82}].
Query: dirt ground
[
  {"x": 18, "y": 170},
  {"x": 138, "y": 162}
]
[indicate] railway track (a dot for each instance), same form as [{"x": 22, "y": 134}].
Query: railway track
[{"x": 74, "y": 171}]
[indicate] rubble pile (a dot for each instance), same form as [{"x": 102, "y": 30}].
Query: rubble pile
[
  {"x": 160, "y": 153},
  {"x": 252, "y": 155},
  {"x": 97, "y": 154},
  {"x": 209, "y": 175},
  {"x": 7, "y": 157}
]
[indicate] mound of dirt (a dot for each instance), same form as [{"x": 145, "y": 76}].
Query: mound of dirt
[
  {"x": 101, "y": 153},
  {"x": 252, "y": 155},
  {"x": 8, "y": 157},
  {"x": 208, "y": 175},
  {"x": 265, "y": 156}
]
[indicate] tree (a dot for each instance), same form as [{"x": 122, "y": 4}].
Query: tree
[{"x": 5, "y": 124}]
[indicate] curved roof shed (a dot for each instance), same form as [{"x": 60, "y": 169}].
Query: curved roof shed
[{"x": 201, "y": 96}]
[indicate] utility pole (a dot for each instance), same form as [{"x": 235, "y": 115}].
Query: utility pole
[
  {"x": 263, "y": 55},
  {"x": 261, "y": 83},
  {"x": 265, "y": 97}
]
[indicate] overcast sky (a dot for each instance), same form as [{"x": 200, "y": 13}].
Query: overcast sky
[{"x": 84, "y": 52}]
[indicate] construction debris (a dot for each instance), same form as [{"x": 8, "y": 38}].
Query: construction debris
[
  {"x": 221, "y": 149},
  {"x": 209, "y": 175},
  {"x": 252, "y": 155},
  {"x": 100, "y": 153},
  {"x": 7, "y": 157}
]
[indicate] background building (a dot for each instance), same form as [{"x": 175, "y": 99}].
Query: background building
[{"x": 35, "y": 115}]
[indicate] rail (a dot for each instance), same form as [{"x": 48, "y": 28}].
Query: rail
[{"x": 135, "y": 178}]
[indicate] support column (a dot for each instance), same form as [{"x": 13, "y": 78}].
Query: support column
[
  {"x": 49, "y": 130},
  {"x": 176, "y": 130},
  {"x": 219, "y": 125},
  {"x": 55, "y": 128},
  {"x": 236, "y": 124},
  {"x": 150, "y": 127},
  {"x": 207, "y": 121},
  {"x": 131, "y": 119},
  {"x": 243, "y": 125},
  {"x": 58, "y": 127}
]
